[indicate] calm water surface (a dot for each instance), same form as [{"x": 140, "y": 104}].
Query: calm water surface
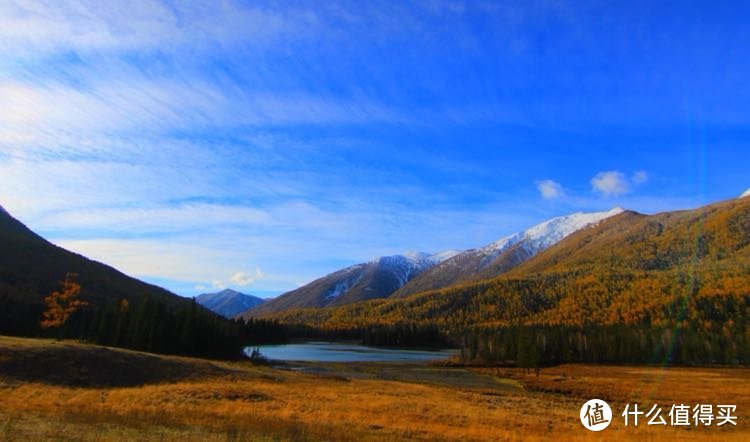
[{"x": 341, "y": 352}]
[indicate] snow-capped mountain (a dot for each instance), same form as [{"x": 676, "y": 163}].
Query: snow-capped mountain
[
  {"x": 549, "y": 232},
  {"x": 503, "y": 254},
  {"x": 405, "y": 267},
  {"x": 378, "y": 278},
  {"x": 401, "y": 275},
  {"x": 746, "y": 193},
  {"x": 228, "y": 303}
]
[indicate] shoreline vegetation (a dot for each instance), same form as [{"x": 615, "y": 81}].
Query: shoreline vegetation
[{"x": 67, "y": 390}]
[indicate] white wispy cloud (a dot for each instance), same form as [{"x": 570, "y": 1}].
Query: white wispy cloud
[
  {"x": 34, "y": 27},
  {"x": 616, "y": 183},
  {"x": 196, "y": 141},
  {"x": 610, "y": 183},
  {"x": 550, "y": 189},
  {"x": 291, "y": 242},
  {"x": 135, "y": 106},
  {"x": 245, "y": 279}
]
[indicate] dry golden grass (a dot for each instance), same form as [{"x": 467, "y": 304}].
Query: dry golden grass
[{"x": 236, "y": 401}]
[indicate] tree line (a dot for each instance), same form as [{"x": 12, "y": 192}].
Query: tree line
[
  {"x": 148, "y": 325},
  {"x": 538, "y": 346}
]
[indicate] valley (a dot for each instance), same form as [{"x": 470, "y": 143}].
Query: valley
[
  {"x": 197, "y": 399},
  {"x": 440, "y": 220}
]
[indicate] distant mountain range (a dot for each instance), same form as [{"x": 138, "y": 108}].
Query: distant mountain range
[
  {"x": 228, "y": 303},
  {"x": 403, "y": 275},
  {"x": 605, "y": 266},
  {"x": 626, "y": 268}
]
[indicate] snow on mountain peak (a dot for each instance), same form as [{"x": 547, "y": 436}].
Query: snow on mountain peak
[
  {"x": 439, "y": 257},
  {"x": 6, "y": 212},
  {"x": 415, "y": 256},
  {"x": 552, "y": 231},
  {"x": 419, "y": 259},
  {"x": 403, "y": 267},
  {"x": 406, "y": 266},
  {"x": 503, "y": 243},
  {"x": 409, "y": 265},
  {"x": 545, "y": 234},
  {"x": 746, "y": 193},
  {"x": 406, "y": 263}
]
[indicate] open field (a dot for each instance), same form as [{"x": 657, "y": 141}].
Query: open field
[{"x": 70, "y": 391}]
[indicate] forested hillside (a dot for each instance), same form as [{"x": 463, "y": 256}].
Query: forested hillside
[
  {"x": 504, "y": 254},
  {"x": 31, "y": 268},
  {"x": 665, "y": 281},
  {"x": 119, "y": 310}
]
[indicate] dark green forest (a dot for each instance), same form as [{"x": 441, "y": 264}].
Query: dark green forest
[
  {"x": 538, "y": 346},
  {"x": 120, "y": 310},
  {"x": 150, "y": 325}
]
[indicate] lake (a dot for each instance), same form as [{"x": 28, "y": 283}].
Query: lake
[{"x": 342, "y": 352}]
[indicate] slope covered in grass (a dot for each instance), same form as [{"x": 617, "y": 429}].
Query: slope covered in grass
[{"x": 237, "y": 401}]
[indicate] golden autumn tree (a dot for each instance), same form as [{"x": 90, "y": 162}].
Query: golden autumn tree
[{"x": 62, "y": 304}]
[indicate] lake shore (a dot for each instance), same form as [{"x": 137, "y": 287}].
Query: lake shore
[{"x": 345, "y": 351}]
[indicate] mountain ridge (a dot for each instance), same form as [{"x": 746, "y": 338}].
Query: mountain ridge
[
  {"x": 424, "y": 271},
  {"x": 31, "y": 267},
  {"x": 629, "y": 269},
  {"x": 377, "y": 278},
  {"x": 504, "y": 254},
  {"x": 119, "y": 310},
  {"x": 228, "y": 303}
]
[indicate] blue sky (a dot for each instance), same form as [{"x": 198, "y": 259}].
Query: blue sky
[{"x": 259, "y": 145}]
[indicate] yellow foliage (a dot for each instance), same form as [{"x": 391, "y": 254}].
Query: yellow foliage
[
  {"x": 252, "y": 403},
  {"x": 62, "y": 304}
]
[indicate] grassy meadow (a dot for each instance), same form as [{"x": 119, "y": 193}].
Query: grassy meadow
[{"x": 70, "y": 391}]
